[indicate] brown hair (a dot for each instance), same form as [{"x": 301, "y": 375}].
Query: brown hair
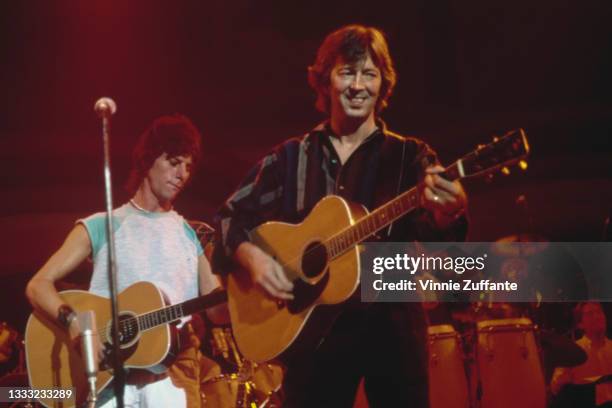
[
  {"x": 175, "y": 135},
  {"x": 351, "y": 44}
]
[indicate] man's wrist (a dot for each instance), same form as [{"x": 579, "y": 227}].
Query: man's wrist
[{"x": 65, "y": 316}]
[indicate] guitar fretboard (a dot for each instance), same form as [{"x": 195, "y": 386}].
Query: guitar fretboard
[
  {"x": 380, "y": 218},
  {"x": 171, "y": 313}
]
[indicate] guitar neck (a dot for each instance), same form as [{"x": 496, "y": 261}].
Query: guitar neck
[
  {"x": 382, "y": 217},
  {"x": 175, "y": 312}
]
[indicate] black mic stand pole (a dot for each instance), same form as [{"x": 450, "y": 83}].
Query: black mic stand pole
[{"x": 105, "y": 107}]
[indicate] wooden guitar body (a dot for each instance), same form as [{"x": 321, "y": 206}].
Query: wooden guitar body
[
  {"x": 321, "y": 257},
  {"x": 53, "y": 362},
  {"x": 317, "y": 278}
]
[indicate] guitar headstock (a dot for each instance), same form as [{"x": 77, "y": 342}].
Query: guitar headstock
[{"x": 502, "y": 152}]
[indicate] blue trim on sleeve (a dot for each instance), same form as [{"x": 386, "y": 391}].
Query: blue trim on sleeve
[
  {"x": 191, "y": 234},
  {"x": 96, "y": 229}
]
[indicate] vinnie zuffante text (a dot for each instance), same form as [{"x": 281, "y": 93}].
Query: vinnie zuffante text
[{"x": 413, "y": 264}]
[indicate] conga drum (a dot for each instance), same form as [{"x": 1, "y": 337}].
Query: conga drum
[
  {"x": 448, "y": 387},
  {"x": 509, "y": 367}
]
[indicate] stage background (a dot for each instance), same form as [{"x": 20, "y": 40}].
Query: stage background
[{"x": 467, "y": 70}]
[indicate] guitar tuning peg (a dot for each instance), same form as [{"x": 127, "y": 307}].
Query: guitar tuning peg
[
  {"x": 495, "y": 138},
  {"x": 489, "y": 178},
  {"x": 480, "y": 147},
  {"x": 505, "y": 171},
  {"x": 523, "y": 165}
]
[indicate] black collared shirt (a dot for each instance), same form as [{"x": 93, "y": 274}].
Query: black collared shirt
[{"x": 287, "y": 183}]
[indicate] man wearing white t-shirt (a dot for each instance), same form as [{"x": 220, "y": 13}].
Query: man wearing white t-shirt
[{"x": 153, "y": 243}]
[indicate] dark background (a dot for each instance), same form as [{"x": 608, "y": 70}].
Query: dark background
[{"x": 467, "y": 70}]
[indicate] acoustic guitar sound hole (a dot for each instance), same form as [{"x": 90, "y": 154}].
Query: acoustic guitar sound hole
[
  {"x": 128, "y": 336},
  {"x": 314, "y": 260},
  {"x": 128, "y": 329}
]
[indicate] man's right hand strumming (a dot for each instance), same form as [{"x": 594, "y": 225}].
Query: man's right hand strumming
[{"x": 264, "y": 270}]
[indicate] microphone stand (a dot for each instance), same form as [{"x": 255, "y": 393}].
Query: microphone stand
[
  {"x": 89, "y": 348},
  {"x": 119, "y": 374}
]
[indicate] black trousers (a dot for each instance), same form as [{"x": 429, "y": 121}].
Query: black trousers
[{"x": 385, "y": 343}]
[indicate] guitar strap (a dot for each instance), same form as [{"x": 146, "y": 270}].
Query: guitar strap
[
  {"x": 383, "y": 182},
  {"x": 293, "y": 202},
  {"x": 390, "y": 175}
]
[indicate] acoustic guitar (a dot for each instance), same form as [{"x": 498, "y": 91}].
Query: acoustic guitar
[
  {"x": 321, "y": 256},
  {"x": 144, "y": 333}
]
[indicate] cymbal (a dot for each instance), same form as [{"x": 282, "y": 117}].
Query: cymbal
[{"x": 598, "y": 379}]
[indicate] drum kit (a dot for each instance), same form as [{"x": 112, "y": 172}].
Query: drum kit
[
  {"x": 231, "y": 381},
  {"x": 490, "y": 362}
]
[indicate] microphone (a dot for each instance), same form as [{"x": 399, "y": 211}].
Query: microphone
[
  {"x": 89, "y": 347},
  {"x": 105, "y": 107}
]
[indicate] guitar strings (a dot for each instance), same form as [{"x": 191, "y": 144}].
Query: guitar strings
[
  {"x": 415, "y": 199},
  {"x": 123, "y": 324},
  {"x": 134, "y": 319},
  {"x": 106, "y": 329},
  {"x": 326, "y": 242}
]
